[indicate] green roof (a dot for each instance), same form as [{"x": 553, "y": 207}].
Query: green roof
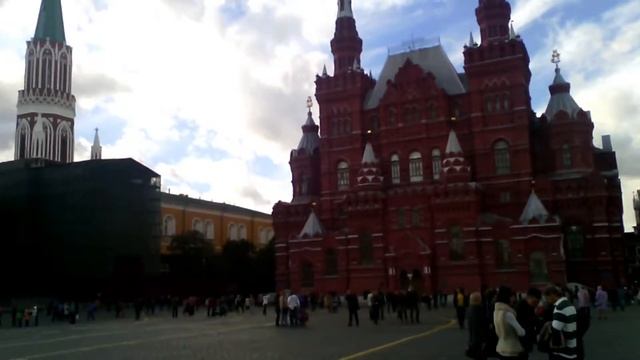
[{"x": 50, "y": 22}]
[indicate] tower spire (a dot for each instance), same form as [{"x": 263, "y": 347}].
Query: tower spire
[
  {"x": 96, "y": 149},
  {"x": 344, "y": 8},
  {"x": 50, "y": 22},
  {"x": 346, "y": 44}
]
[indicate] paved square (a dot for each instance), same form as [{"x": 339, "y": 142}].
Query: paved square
[{"x": 252, "y": 336}]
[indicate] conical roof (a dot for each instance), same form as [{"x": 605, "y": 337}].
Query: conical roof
[
  {"x": 453, "y": 145},
  {"x": 50, "y": 22},
  {"x": 96, "y": 139},
  {"x": 310, "y": 140},
  {"x": 534, "y": 210},
  {"x": 312, "y": 227},
  {"x": 561, "y": 99},
  {"x": 369, "y": 157},
  {"x": 344, "y": 8}
]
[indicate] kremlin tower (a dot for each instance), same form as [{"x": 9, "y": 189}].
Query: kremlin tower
[{"x": 46, "y": 105}]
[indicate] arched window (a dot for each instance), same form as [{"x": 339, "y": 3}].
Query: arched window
[
  {"x": 47, "y": 67},
  {"x": 567, "y": 158},
  {"x": 401, "y": 218},
  {"x": 411, "y": 115},
  {"x": 575, "y": 242},
  {"x": 169, "y": 226},
  {"x": 395, "y": 169},
  {"x": 209, "y": 230},
  {"x": 331, "y": 262},
  {"x": 66, "y": 145},
  {"x": 456, "y": 245},
  {"x": 502, "y": 157},
  {"x": 308, "y": 278},
  {"x": 392, "y": 116},
  {"x": 196, "y": 225},
  {"x": 233, "y": 232},
  {"x": 436, "y": 163},
  {"x": 366, "y": 249},
  {"x": 538, "y": 267},
  {"x": 416, "y": 217},
  {"x": 30, "y": 70},
  {"x": 503, "y": 254},
  {"x": 64, "y": 64},
  {"x": 415, "y": 167},
  {"x": 242, "y": 232},
  {"x": 343, "y": 175},
  {"x": 432, "y": 111},
  {"x": 23, "y": 141}
]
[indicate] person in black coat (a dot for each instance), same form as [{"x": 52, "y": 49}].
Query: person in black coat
[
  {"x": 527, "y": 318},
  {"x": 478, "y": 328},
  {"x": 353, "y": 306}
]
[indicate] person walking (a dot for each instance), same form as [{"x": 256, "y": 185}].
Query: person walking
[
  {"x": 175, "y": 304},
  {"x": 35, "y": 315},
  {"x": 584, "y": 318},
  {"x": 413, "y": 303},
  {"x": 352, "y": 306},
  {"x": 460, "y": 304},
  {"x": 284, "y": 317},
  {"x": 278, "y": 309},
  {"x": 374, "y": 307},
  {"x": 602, "y": 303},
  {"x": 507, "y": 327},
  {"x": 527, "y": 318},
  {"x": 564, "y": 343},
  {"x": 265, "y": 304},
  {"x": 293, "y": 303},
  {"x": 478, "y": 328}
]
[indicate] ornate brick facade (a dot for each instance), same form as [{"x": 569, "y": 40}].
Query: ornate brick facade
[{"x": 441, "y": 179}]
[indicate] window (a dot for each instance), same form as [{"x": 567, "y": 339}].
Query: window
[
  {"x": 567, "y": 160},
  {"x": 196, "y": 225},
  {"x": 308, "y": 278},
  {"x": 242, "y": 232},
  {"x": 505, "y": 197},
  {"x": 169, "y": 226},
  {"x": 233, "y": 232},
  {"x": 395, "y": 169},
  {"x": 538, "y": 268},
  {"x": 415, "y": 167},
  {"x": 436, "y": 163},
  {"x": 575, "y": 242},
  {"x": 401, "y": 218},
  {"x": 456, "y": 245},
  {"x": 503, "y": 256},
  {"x": 391, "y": 116},
  {"x": 343, "y": 176},
  {"x": 416, "y": 217},
  {"x": 366, "y": 249},
  {"x": 331, "y": 262},
  {"x": 47, "y": 67},
  {"x": 411, "y": 115},
  {"x": 208, "y": 230},
  {"x": 502, "y": 158}
]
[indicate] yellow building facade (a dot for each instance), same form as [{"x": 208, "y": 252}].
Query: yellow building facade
[{"x": 217, "y": 222}]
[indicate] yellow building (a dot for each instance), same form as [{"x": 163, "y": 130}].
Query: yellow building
[{"x": 218, "y": 222}]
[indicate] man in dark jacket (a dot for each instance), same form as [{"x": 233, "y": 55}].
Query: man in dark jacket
[
  {"x": 478, "y": 328},
  {"x": 353, "y": 305},
  {"x": 526, "y": 316}
]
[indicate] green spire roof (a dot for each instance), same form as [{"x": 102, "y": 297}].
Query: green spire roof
[{"x": 50, "y": 23}]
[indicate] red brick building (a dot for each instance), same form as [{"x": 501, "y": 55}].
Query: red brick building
[{"x": 441, "y": 179}]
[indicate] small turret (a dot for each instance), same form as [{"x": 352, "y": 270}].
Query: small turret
[
  {"x": 312, "y": 228},
  {"x": 560, "y": 89},
  {"x": 370, "y": 173},
  {"x": 454, "y": 165},
  {"x": 346, "y": 44},
  {"x": 493, "y": 17},
  {"x": 96, "y": 149},
  {"x": 534, "y": 210}
]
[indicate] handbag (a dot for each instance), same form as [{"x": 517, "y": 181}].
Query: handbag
[{"x": 546, "y": 340}]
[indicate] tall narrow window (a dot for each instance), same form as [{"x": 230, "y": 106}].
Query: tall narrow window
[
  {"x": 366, "y": 249},
  {"x": 64, "y": 146},
  {"x": 208, "y": 230},
  {"x": 392, "y": 117},
  {"x": 416, "y": 217},
  {"x": 343, "y": 176},
  {"x": 169, "y": 228},
  {"x": 503, "y": 256},
  {"x": 401, "y": 218},
  {"x": 456, "y": 245},
  {"x": 436, "y": 163},
  {"x": 502, "y": 158},
  {"x": 308, "y": 278},
  {"x": 567, "y": 159},
  {"x": 47, "y": 66},
  {"x": 575, "y": 242},
  {"x": 415, "y": 167},
  {"x": 197, "y": 226},
  {"x": 232, "y": 232},
  {"x": 395, "y": 169},
  {"x": 331, "y": 262},
  {"x": 538, "y": 268}
]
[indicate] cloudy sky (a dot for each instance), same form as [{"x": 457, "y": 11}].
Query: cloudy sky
[{"x": 211, "y": 93}]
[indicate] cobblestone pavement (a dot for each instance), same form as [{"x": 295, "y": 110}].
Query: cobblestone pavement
[{"x": 252, "y": 336}]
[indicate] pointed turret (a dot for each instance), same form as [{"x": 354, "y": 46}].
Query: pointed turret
[
  {"x": 310, "y": 140},
  {"x": 472, "y": 42},
  {"x": 96, "y": 149},
  {"x": 312, "y": 228},
  {"x": 512, "y": 32},
  {"x": 534, "y": 210},
  {"x": 324, "y": 71},
  {"x": 560, "y": 90},
  {"x": 346, "y": 44},
  {"x": 50, "y": 22},
  {"x": 454, "y": 165},
  {"x": 370, "y": 173}
]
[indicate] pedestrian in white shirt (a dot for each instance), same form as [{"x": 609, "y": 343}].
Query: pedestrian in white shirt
[
  {"x": 265, "y": 304},
  {"x": 507, "y": 327},
  {"x": 293, "y": 303}
]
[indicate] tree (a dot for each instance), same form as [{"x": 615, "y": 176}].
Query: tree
[{"x": 191, "y": 244}]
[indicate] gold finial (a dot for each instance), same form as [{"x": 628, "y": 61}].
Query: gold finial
[
  {"x": 555, "y": 58},
  {"x": 309, "y": 103}
]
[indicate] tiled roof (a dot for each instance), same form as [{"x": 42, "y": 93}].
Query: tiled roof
[{"x": 184, "y": 200}]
